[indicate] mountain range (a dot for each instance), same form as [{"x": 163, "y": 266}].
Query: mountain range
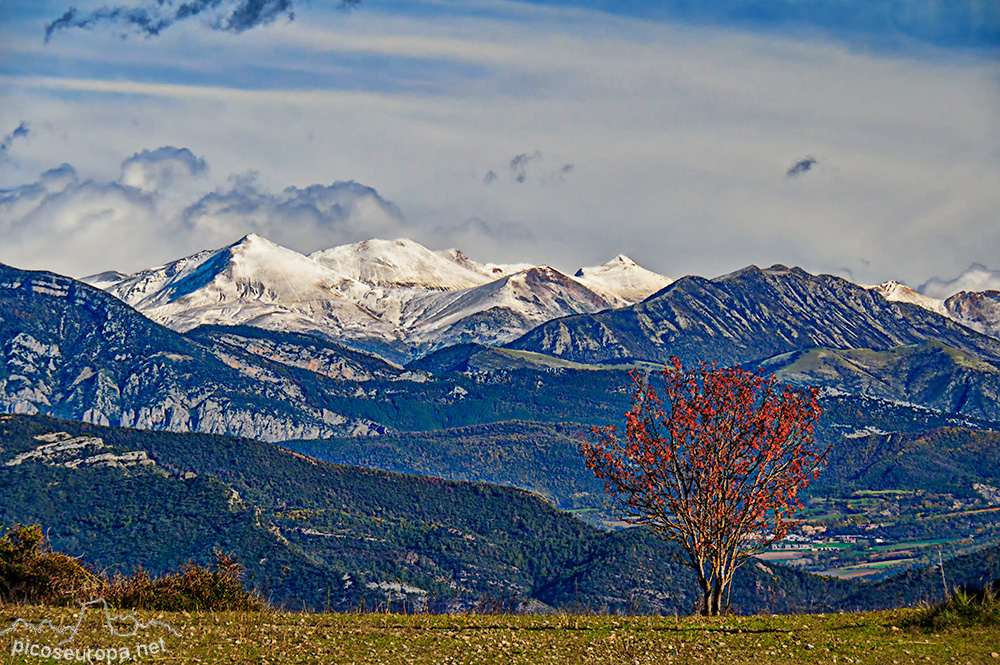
[
  {"x": 389, "y": 355},
  {"x": 748, "y": 316},
  {"x": 401, "y": 300},
  {"x": 258, "y": 340},
  {"x": 393, "y": 297}
]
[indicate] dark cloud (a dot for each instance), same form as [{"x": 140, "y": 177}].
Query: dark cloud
[
  {"x": 307, "y": 218},
  {"x": 153, "y": 18},
  {"x": 528, "y": 166},
  {"x": 801, "y": 167},
  {"x": 520, "y": 163},
  {"x": 22, "y": 131}
]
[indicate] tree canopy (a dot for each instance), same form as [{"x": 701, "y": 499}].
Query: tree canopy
[{"x": 712, "y": 459}]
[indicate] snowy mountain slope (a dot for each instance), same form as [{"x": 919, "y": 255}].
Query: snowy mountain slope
[
  {"x": 622, "y": 280},
  {"x": 491, "y": 270},
  {"x": 502, "y": 310},
  {"x": 977, "y": 310},
  {"x": 896, "y": 292},
  {"x": 396, "y": 280},
  {"x": 105, "y": 279},
  {"x": 398, "y": 263},
  {"x": 253, "y": 282},
  {"x": 133, "y": 289},
  {"x": 392, "y": 297}
]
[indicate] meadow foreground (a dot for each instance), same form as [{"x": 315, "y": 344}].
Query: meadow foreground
[{"x": 276, "y": 637}]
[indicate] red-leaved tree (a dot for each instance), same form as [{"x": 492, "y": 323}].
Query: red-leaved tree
[{"x": 713, "y": 461}]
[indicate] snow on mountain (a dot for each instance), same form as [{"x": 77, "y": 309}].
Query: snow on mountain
[
  {"x": 398, "y": 263},
  {"x": 374, "y": 294},
  {"x": 896, "y": 292},
  {"x": 104, "y": 280},
  {"x": 490, "y": 270},
  {"x": 394, "y": 279},
  {"x": 979, "y": 310},
  {"x": 622, "y": 281},
  {"x": 144, "y": 284},
  {"x": 503, "y": 310},
  {"x": 253, "y": 282}
]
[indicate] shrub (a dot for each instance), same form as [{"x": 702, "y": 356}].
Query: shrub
[
  {"x": 193, "y": 588},
  {"x": 966, "y": 607},
  {"x": 32, "y": 572}
]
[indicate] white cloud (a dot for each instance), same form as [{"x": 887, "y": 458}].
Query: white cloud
[
  {"x": 976, "y": 278},
  {"x": 146, "y": 218},
  {"x": 153, "y": 170}
]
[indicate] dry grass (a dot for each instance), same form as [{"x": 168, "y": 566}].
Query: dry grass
[{"x": 275, "y": 637}]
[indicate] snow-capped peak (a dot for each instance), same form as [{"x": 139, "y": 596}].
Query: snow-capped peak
[
  {"x": 253, "y": 281},
  {"x": 489, "y": 270},
  {"x": 253, "y": 268},
  {"x": 622, "y": 280},
  {"x": 896, "y": 292},
  {"x": 620, "y": 260},
  {"x": 398, "y": 263},
  {"x": 103, "y": 280}
]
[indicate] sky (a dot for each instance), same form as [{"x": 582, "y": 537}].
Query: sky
[{"x": 854, "y": 137}]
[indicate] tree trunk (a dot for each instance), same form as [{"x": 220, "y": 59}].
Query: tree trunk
[
  {"x": 706, "y": 597},
  {"x": 717, "y": 590}
]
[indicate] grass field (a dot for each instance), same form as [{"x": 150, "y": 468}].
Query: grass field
[{"x": 272, "y": 637}]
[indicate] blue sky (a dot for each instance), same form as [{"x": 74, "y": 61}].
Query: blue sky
[{"x": 859, "y": 138}]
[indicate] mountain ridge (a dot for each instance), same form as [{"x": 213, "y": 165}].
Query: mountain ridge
[
  {"x": 746, "y": 316},
  {"x": 374, "y": 294}
]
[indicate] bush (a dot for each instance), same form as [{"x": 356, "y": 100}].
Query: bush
[
  {"x": 966, "y": 607},
  {"x": 192, "y": 588},
  {"x": 31, "y": 572}
]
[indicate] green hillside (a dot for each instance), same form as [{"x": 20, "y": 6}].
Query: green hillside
[
  {"x": 539, "y": 457},
  {"x": 318, "y": 534}
]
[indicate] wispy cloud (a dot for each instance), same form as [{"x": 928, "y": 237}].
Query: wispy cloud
[
  {"x": 526, "y": 166},
  {"x": 801, "y": 166},
  {"x": 152, "y": 19},
  {"x": 21, "y": 131},
  {"x": 878, "y": 23}
]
